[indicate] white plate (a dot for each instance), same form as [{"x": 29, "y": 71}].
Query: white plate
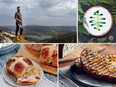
[
  {"x": 91, "y": 15},
  {"x": 12, "y": 81}
]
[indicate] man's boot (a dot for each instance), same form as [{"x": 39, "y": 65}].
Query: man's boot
[
  {"x": 21, "y": 37},
  {"x": 17, "y": 38}
]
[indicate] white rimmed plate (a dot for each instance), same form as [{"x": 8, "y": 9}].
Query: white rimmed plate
[
  {"x": 12, "y": 81},
  {"x": 6, "y": 48},
  {"x": 96, "y": 27}
]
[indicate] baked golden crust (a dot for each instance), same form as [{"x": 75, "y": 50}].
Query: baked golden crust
[
  {"x": 17, "y": 66},
  {"x": 32, "y": 77},
  {"x": 48, "y": 55},
  {"x": 23, "y": 70},
  {"x": 99, "y": 66},
  {"x": 36, "y": 47}
]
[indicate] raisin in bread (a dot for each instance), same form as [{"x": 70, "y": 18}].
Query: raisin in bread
[{"x": 48, "y": 55}]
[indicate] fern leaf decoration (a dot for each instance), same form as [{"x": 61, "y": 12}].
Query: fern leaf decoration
[
  {"x": 112, "y": 3},
  {"x": 108, "y": 2},
  {"x": 114, "y": 13}
]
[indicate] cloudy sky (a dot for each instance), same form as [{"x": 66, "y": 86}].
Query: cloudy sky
[{"x": 39, "y": 12}]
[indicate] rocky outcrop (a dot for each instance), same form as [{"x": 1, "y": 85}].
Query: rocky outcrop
[{"x": 5, "y": 37}]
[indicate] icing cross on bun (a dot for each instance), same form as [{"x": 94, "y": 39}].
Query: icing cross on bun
[{"x": 23, "y": 70}]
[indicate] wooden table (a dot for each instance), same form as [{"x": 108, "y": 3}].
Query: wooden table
[{"x": 101, "y": 48}]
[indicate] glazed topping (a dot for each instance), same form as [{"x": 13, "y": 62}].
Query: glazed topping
[
  {"x": 26, "y": 78},
  {"x": 28, "y": 61},
  {"x": 101, "y": 64},
  {"x": 114, "y": 65},
  {"x": 45, "y": 51},
  {"x": 32, "y": 74},
  {"x": 9, "y": 62},
  {"x": 19, "y": 67}
]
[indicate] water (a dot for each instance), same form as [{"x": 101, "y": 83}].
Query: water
[{"x": 42, "y": 37}]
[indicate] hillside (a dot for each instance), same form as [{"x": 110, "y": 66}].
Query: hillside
[
  {"x": 38, "y": 34},
  {"x": 68, "y": 37},
  {"x": 5, "y": 37}
]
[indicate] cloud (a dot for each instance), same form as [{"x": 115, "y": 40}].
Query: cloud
[
  {"x": 58, "y": 7},
  {"x": 44, "y": 12}
]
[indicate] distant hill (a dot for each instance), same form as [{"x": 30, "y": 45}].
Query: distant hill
[
  {"x": 50, "y": 28},
  {"x": 41, "y": 28},
  {"x": 67, "y": 38}
]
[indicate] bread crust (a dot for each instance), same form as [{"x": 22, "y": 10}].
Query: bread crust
[
  {"x": 23, "y": 70},
  {"x": 48, "y": 55},
  {"x": 91, "y": 63}
]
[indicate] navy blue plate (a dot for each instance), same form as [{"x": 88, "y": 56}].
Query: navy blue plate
[
  {"x": 8, "y": 48},
  {"x": 86, "y": 80}
]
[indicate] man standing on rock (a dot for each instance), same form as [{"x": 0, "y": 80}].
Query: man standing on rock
[{"x": 18, "y": 17}]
